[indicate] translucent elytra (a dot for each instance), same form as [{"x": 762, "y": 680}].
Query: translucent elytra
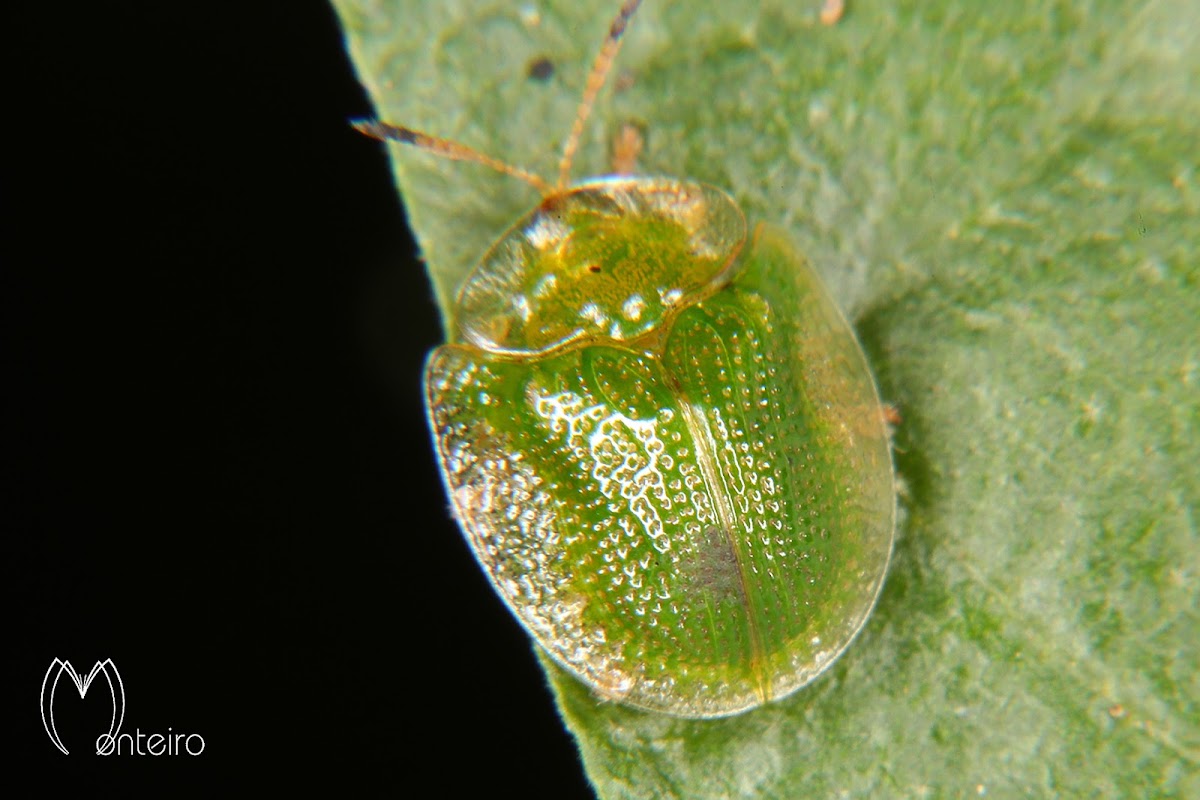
[{"x": 664, "y": 446}]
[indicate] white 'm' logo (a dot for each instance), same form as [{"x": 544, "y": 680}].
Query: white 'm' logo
[{"x": 106, "y": 668}]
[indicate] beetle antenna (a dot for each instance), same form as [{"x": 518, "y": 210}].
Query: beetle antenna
[
  {"x": 595, "y": 81},
  {"x": 446, "y": 148}
]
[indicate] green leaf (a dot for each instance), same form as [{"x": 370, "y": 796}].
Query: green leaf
[{"x": 1005, "y": 198}]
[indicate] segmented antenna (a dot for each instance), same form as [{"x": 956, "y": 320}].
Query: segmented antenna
[
  {"x": 600, "y": 69},
  {"x": 454, "y": 151},
  {"x": 446, "y": 148}
]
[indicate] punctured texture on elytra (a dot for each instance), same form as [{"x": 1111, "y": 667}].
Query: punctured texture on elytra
[{"x": 667, "y": 454}]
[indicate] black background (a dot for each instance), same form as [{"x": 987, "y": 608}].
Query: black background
[{"x": 216, "y": 466}]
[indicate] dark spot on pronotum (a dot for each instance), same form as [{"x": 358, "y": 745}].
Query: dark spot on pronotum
[
  {"x": 594, "y": 268},
  {"x": 540, "y": 69}
]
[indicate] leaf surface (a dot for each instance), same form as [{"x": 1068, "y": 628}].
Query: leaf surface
[{"x": 1005, "y": 198}]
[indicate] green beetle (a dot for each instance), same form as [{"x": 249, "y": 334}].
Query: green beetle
[{"x": 661, "y": 439}]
